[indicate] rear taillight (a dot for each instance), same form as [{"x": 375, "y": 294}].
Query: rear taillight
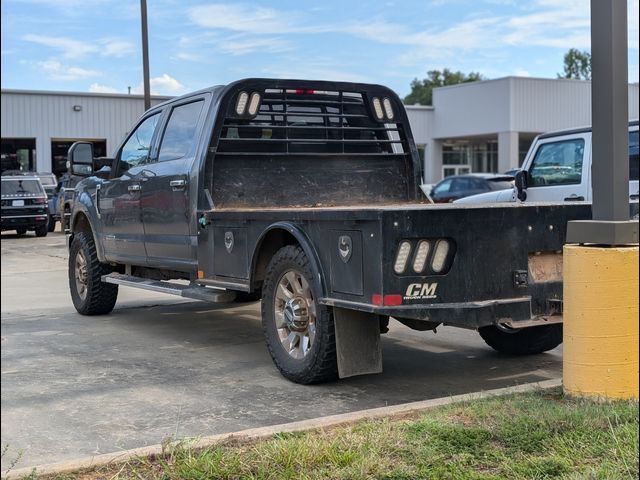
[
  {"x": 402, "y": 257},
  {"x": 429, "y": 257},
  {"x": 39, "y": 201}
]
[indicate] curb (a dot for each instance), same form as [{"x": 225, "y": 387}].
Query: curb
[{"x": 267, "y": 432}]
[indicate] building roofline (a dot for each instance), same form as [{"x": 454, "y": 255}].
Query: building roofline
[
  {"x": 81, "y": 94},
  {"x": 418, "y": 107},
  {"x": 515, "y": 77}
]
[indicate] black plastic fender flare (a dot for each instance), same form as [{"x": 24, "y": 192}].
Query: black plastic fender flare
[{"x": 305, "y": 244}]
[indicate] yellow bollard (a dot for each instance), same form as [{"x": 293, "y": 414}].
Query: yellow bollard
[{"x": 600, "y": 321}]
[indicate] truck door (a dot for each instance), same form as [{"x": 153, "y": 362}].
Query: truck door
[
  {"x": 560, "y": 169},
  {"x": 170, "y": 232},
  {"x": 118, "y": 199}
]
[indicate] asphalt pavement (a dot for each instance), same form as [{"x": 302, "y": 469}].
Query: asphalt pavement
[{"x": 163, "y": 367}]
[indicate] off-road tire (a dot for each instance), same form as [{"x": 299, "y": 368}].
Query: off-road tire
[
  {"x": 320, "y": 363},
  {"x": 41, "y": 231},
  {"x": 100, "y": 297},
  {"x": 51, "y": 226},
  {"x": 21, "y": 231},
  {"x": 523, "y": 341}
]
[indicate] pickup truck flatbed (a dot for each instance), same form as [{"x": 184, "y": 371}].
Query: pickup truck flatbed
[{"x": 305, "y": 194}]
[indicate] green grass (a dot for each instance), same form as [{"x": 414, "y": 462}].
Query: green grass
[{"x": 529, "y": 436}]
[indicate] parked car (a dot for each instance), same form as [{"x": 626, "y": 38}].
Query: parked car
[
  {"x": 24, "y": 205},
  {"x": 50, "y": 184},
  {"x": 557, "y": 168},
  {"x": 460, "y": 186}
]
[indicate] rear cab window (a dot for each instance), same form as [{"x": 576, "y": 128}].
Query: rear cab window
[{"x": 180, "y": 132}]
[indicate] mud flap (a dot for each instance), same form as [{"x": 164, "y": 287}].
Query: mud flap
[{"x": 357, "y": 342}]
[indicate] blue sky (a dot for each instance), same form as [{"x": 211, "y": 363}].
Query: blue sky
[{"x": 94, "y": 45}]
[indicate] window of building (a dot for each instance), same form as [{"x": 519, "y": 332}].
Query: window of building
[
  {"x": 633, "y": 156},
  {"x": 18, "y": 154},
  {"x": 484, "y": 156},
  {"x": 60, "y": 148},
  {"x": 180, "y": 132}
]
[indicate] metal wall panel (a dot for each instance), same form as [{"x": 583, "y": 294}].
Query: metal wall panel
[{"x": 50, "y": 115}]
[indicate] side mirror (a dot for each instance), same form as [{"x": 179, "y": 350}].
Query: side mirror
[
  {"x": 80, "y": 159},
  {"x": 104, "y": 173},
  {"x": 521, "y": 184},
  {"x": 100, "y": 162}
]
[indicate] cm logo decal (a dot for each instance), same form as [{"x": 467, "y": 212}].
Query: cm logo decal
[{"x": 417, "y": 291}]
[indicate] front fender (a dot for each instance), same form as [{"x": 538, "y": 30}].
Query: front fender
[
  {"x": 305, "y": 244},
  {"x": 83, "y": 204}
]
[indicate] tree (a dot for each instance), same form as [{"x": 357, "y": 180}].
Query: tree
[
  {"x": 577, "y": 65},
  {"x": 422, "y": 90}
]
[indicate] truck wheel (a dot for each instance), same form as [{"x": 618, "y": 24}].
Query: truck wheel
[
  {"x": 522, "y": 341},
  {"x": 89, "y": 294},
  {"x": 51, "y": 226},
  {"x": 299, "y": 331},
  {"x": 21, "y": 231},
  {"x": 41, "y": 231}
]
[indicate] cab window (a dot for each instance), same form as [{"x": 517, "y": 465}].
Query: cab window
[
  {"x": 180, "y": 133},
  {"x": 558, "y": 163},
  {"x": 136, "y": 151}
]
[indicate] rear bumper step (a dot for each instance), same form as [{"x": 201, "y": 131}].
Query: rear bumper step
[{"x": 197, "y": 292}]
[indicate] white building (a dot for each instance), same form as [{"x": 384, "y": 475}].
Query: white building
[{"x": 483, "y": 126}]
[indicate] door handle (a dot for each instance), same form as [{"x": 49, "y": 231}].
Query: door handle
[
  {"x": 178, "y": 184},
  {"x": 574, "y": 198},
  {"x": 134, "y": 188}
]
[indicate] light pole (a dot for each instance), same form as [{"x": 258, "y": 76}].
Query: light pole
[
  {"x": 145, "y": 55},
  {"x": 600, "y": 269}
]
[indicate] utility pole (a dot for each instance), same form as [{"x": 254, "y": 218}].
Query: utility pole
[
  {"x": 600, "y": 269},
  {"x": 145, "y": 55}
]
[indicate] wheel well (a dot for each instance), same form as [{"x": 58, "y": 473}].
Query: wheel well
[
  {"x": 81, "y": 224},
  {"x": 273, "y": 241}
]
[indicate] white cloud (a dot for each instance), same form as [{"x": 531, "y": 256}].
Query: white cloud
[
  {"x": 240, "y": 18},
  {"x": 117, "y": 48},
  {"x": 70, "y": 48},
  {"x": 97, "y": 88},
  {"x": 162, "y": 85},
  {"x": 57, "y": 71},
  {"x": 265, "y": 45}
]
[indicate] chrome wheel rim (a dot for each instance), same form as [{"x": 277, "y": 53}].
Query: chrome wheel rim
[
  {"x": 81, "y": 274},
  {"x": 295, "y": 314}
]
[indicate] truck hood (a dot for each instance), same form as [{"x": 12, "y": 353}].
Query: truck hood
[{"x": 508, "y": 195}]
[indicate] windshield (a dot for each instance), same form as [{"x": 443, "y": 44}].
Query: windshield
[
  {"x": 47, "y": 179},
  {"x": 21, "y": 187}
]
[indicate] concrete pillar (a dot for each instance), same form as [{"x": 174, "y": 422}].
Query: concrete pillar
[
  {"x": 507, "y": 151},
  {"x": 600, "y": 352},
  {"x": 433, "y": 162}
]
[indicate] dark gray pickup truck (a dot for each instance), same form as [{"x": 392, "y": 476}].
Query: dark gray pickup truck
[{"x": 306, "y": 194}]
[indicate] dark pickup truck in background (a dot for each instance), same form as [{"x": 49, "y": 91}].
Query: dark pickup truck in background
[{"x": 306, "y": 194}]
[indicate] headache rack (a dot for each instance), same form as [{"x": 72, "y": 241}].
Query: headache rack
[{"x": 309, "y": 147}]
